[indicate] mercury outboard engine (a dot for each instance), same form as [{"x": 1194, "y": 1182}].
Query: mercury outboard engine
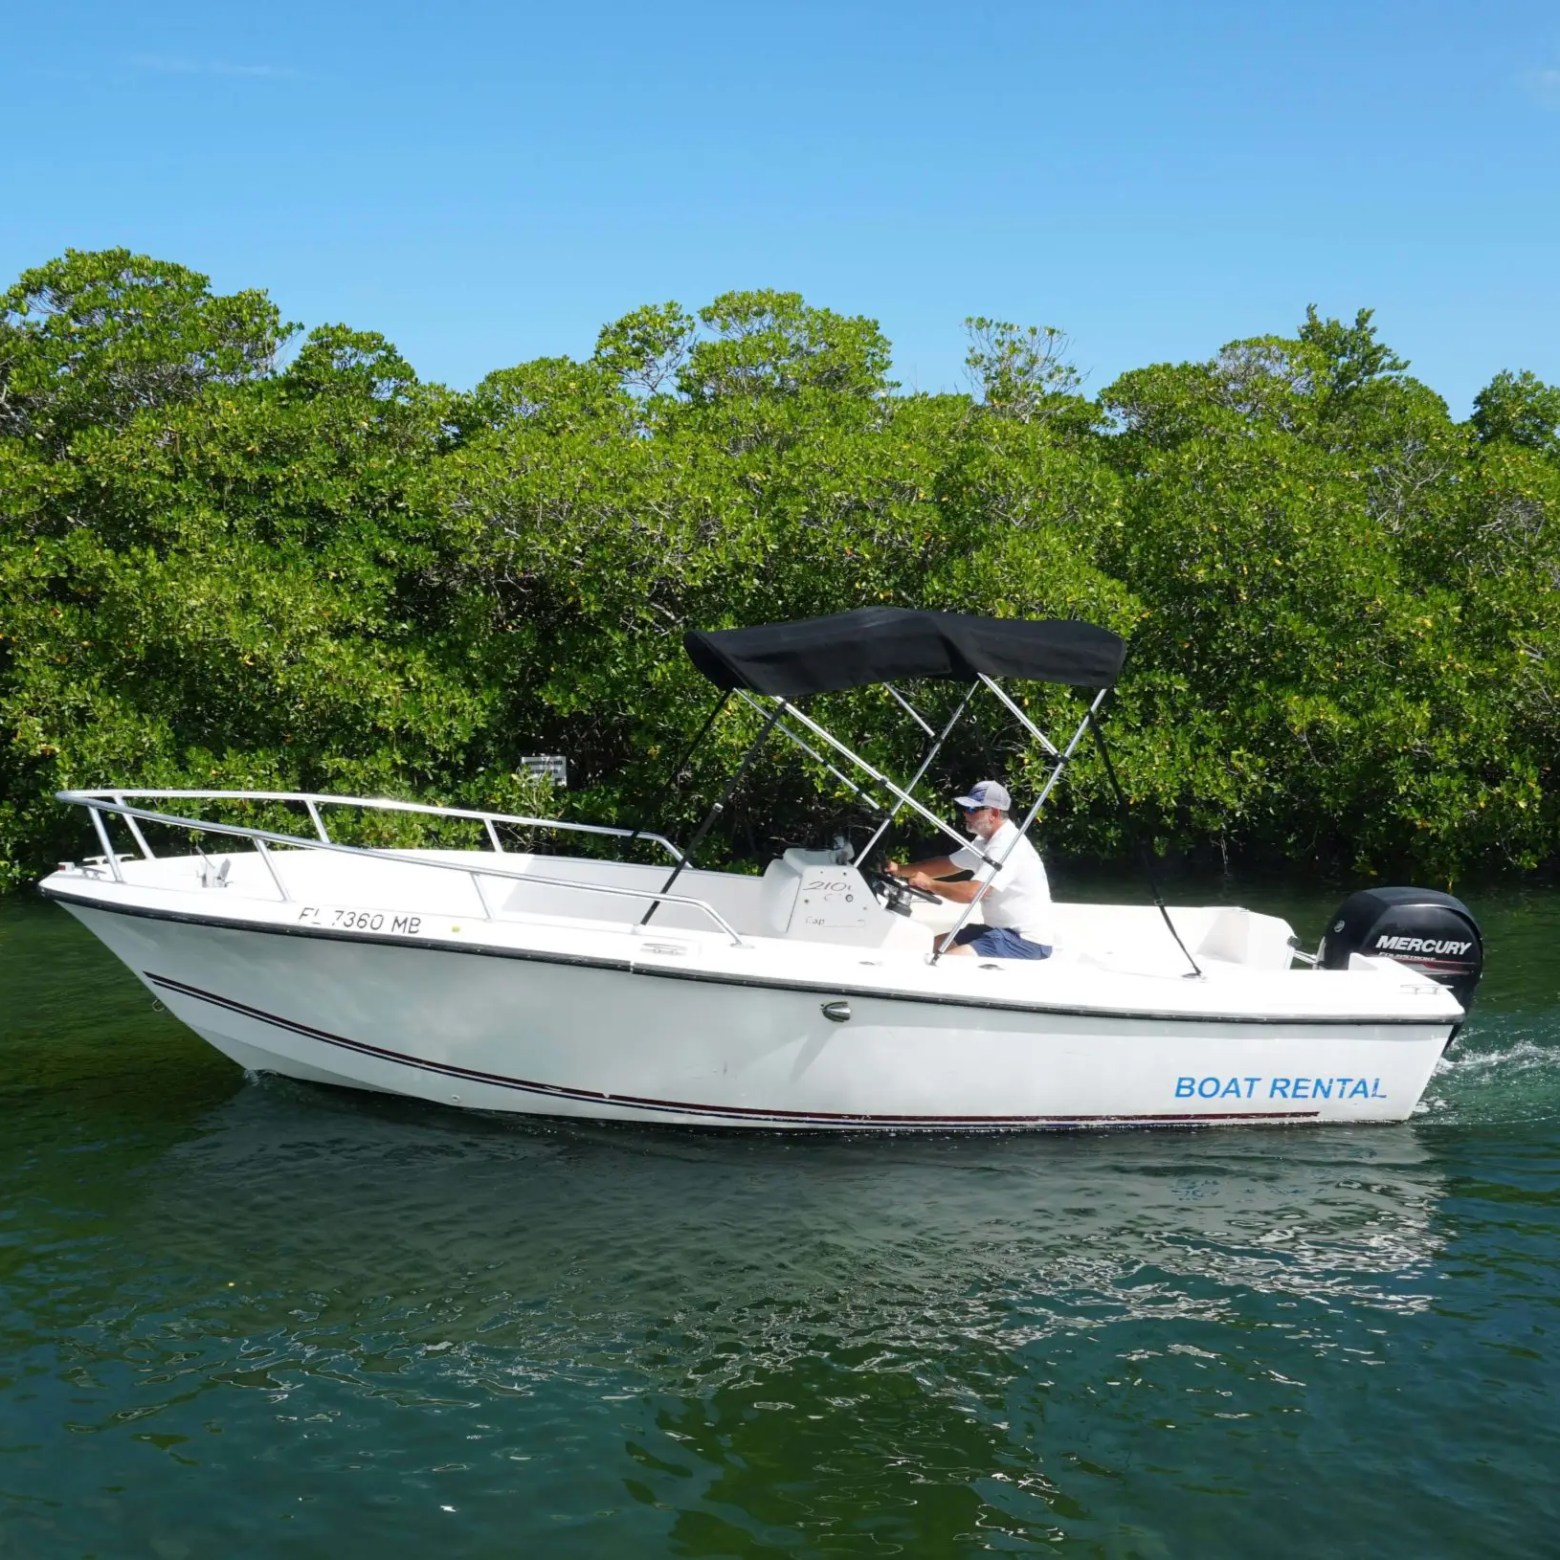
[{"x": 1431, "y": 931}]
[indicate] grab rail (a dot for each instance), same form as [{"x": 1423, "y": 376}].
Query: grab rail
[
  {"x": 313, "y": 800},
  {"x": 100, "y": 802}
]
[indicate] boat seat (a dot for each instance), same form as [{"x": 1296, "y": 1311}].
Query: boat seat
[
  {"x": 1228, "y": 937},
  {"x": 1238, "y": 936}
]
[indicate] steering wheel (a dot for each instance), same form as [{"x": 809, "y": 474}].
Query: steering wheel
[{"x": 895, "y": 894}]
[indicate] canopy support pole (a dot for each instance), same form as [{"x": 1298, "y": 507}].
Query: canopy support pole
[
  {"x": 678, "y": 767},
  {"x": 944, "y": 943},
  {"x": 1020, "y": 716},
  {"x": 907, "y": 707},
  {"x": 715, "y": 812},
  {"x": 867, "y": 769},
  {"x": 926, "y": 763},
  {"x": 817, "y": 757},
  {"x": 1148, "y": 871}
]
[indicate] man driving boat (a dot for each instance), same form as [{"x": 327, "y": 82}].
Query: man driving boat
[{"x": 1017, "y": 905}]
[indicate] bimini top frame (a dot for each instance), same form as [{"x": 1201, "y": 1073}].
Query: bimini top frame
[{"x": 875, "y": 646}]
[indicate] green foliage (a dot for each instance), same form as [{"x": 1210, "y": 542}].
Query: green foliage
[
  {"x": 646, "y": 349},
  {"x": 1351, "y": 354},
  {"x": 770, "y": 343},
  {"x": 1021, "y": 372},
  {"x": 1317, "y": 543},
  {"x": 94, "y": 338},
  {"x": 219, "y": 572},
  {"x": 1520, "y": 408}
]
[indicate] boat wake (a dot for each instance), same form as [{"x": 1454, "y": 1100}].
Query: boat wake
[{"x": 1513, "y": 1077}]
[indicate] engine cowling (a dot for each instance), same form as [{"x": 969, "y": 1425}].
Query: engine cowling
[{"x": 1431, "y": 931}]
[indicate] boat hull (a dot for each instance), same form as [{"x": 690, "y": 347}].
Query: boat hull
[{"x": 543, "y": 1033}]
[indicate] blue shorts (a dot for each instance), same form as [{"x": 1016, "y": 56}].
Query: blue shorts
[{"x": 997, "y": 942}]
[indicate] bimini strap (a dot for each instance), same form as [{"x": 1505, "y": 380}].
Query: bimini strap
[
  {"x": 675, "y": 777},
  {"x": 1148, "y": 869}
]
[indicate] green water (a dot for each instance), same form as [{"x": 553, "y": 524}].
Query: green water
[{"x": 247, "y": 1317}]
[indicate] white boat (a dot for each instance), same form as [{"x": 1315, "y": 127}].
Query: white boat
[{"x": 807, "y": 997}]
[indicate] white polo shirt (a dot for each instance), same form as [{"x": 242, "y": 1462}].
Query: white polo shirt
[{"x": 1020, "y": 894}]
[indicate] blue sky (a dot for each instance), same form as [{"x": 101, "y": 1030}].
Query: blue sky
[{"x": 489, "y": 183}]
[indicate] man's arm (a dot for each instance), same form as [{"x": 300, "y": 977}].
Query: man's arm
[
  {"x": 932, "y": 867},
  {"x": 926, "y": 876},
  {"x": 962, "y": 893}
]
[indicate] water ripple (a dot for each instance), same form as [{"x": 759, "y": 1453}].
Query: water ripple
[{"x": 356, "y": 1321}]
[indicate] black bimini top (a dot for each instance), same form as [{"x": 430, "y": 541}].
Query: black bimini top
[{"x": 885, "y": 644}]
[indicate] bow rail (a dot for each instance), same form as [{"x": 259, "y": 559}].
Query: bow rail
[{"x": 120, "y": 804}]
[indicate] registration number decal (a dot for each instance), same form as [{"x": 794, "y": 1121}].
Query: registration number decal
[{"x": 360, "y": 920}]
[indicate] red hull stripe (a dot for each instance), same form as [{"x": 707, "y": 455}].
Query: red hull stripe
[{"x": 709, "y": 1112}]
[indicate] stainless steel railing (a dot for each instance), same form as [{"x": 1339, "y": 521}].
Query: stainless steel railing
[{"x": 115, "y": 803}]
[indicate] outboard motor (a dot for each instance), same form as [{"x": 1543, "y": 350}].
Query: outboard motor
[{"x": 1433, "y": 932}]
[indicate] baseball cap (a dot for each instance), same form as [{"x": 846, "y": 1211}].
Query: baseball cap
[{"x": 987, "y": 793}]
